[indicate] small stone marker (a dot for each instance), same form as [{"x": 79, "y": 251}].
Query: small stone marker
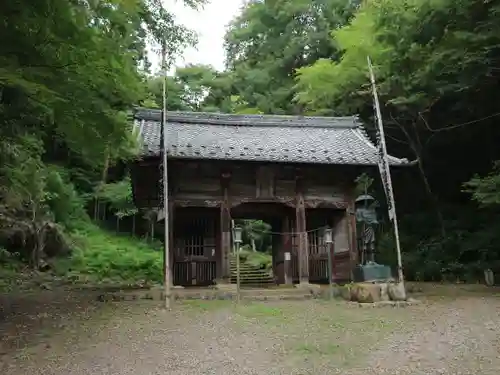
[
  {"x": 489, "y": 277},
  {"x": 397, "y": 292}
]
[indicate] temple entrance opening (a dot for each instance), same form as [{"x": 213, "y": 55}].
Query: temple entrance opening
[
  {"x": 270, "y": 251},
  {"x": 262, "y": 251}
]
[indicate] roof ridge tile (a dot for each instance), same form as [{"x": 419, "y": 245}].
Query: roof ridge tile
[
  {"x": 229, "y": 119},
  {"x": 299, "y": 143}
]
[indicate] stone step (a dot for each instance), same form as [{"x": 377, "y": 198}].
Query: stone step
[
  {"x": 250, "y": 286},
  {"x": 249, "y": 270},
  {"x": 252, "y": 274},
  {"x": 258, "y": 280},
  {"x": 242, "y": 264},
  {"x": 259, "y": 273},
  {"x": 233, "y": 267},
  {"x": 255, "y": 294},
  {"x": 254, "y": 286},
  {"x": 253, "y": 280}
]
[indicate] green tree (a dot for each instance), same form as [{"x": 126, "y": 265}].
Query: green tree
[
  {"x": 486, "y": 190},
  {"x": 186, "y": 89},
  {"x": 432, "y": 60},
  {"x": 66, "y": 84},
  {"x": 256, "y": 234},
  {"x": 271, "y": 39}
]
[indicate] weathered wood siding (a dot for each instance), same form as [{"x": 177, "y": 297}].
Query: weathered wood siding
[
  {"x": 201, "y": 180},
  {"x": 195, "y": 185},
  {"x": 242, "y": 182},
  {"x": 302, "y": 197}
]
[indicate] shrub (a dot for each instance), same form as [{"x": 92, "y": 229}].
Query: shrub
[
  {"x": 257, "y": 259},
  {"x": 99, "y": 256}
]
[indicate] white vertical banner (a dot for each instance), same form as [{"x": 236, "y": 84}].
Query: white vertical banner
[
  {"x": 385, "y": 173},
  {"x": 383, "y": 159}
]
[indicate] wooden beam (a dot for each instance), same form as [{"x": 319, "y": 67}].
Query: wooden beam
[
  {"x": 171, "y": 243},
  {"x": 197, "y": 202},
  {"x": 287, "y": 248},
  {"x": 351, "y": 232},
  {"x": 300, "y": 225},
  {"x": 223, "y": 265}
]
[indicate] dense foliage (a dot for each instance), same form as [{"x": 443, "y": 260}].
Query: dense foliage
[
  {"x": 437, "y": 64},
  {"x": 70, "y": 72},
  {"x": 68, "y": 80}
]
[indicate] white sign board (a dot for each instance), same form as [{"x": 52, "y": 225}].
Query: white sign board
[{"x": 288, "y": 256}]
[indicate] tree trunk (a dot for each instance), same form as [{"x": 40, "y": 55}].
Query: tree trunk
[
  {"x": 104, "y": 175},
  {"x": 432, "y": 196},
  {"x": 96, "y": 208},
  {"x": 39, "y": 233},
  {"x": 416, "y": 146},
  {"x": 254, "y": 247}
]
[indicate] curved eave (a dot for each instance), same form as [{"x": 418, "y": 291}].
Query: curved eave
[
  {"x": 393, "y": 161},
  {"x": 150, "y": 156}
]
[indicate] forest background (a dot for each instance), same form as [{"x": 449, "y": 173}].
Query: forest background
[{"x": 71, "y": 71}]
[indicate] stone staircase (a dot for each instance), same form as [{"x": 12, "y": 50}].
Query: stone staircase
[{"x": 251, "y": 276}]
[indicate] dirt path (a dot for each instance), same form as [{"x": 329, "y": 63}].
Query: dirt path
[
  {"x": 452, "y": 337},
  {"x": 457, "y": 337},
  {"x": 151, "y": 341}
]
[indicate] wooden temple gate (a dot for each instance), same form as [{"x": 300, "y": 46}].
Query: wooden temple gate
[
  {"x": 203, "y": 205},
  {"x": 198, "y": 254},
  {"x": 300, "y": 170}
]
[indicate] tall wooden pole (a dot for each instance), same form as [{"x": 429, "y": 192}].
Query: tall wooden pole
[
  {"x": 386, "y": 177},
  {"x": 164, "y": 150},
  {"x": 238, "y": 277}
]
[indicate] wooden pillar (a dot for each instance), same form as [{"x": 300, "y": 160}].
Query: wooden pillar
[
  {"x": 351, "y": 233},
  {"x": 223, "y": 265},
  {"x": 171, "y": 239},
  {"x": 287, "y": 252},
  {"x": 300, "y": 227}
]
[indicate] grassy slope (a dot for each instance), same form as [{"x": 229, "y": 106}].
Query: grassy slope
[
  {"x": 98, "y": 257},
  {"x": 104, "y": 256}
]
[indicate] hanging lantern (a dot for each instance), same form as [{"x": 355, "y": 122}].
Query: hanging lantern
[
  {"x": 237, "y": 234},
  {"x": 328, "y": 235}
]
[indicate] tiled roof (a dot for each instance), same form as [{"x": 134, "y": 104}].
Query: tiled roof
[{"x": 270, "y": 138}]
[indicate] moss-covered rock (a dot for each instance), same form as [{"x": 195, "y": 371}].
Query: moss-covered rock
[
  {"x": 345, "y": 292},
  {"x": 397, "y": 292},
  {"x": 366, "y": 293}
]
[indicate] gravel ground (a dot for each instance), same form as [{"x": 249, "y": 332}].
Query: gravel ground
[{"x": 444, "y": 336}]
